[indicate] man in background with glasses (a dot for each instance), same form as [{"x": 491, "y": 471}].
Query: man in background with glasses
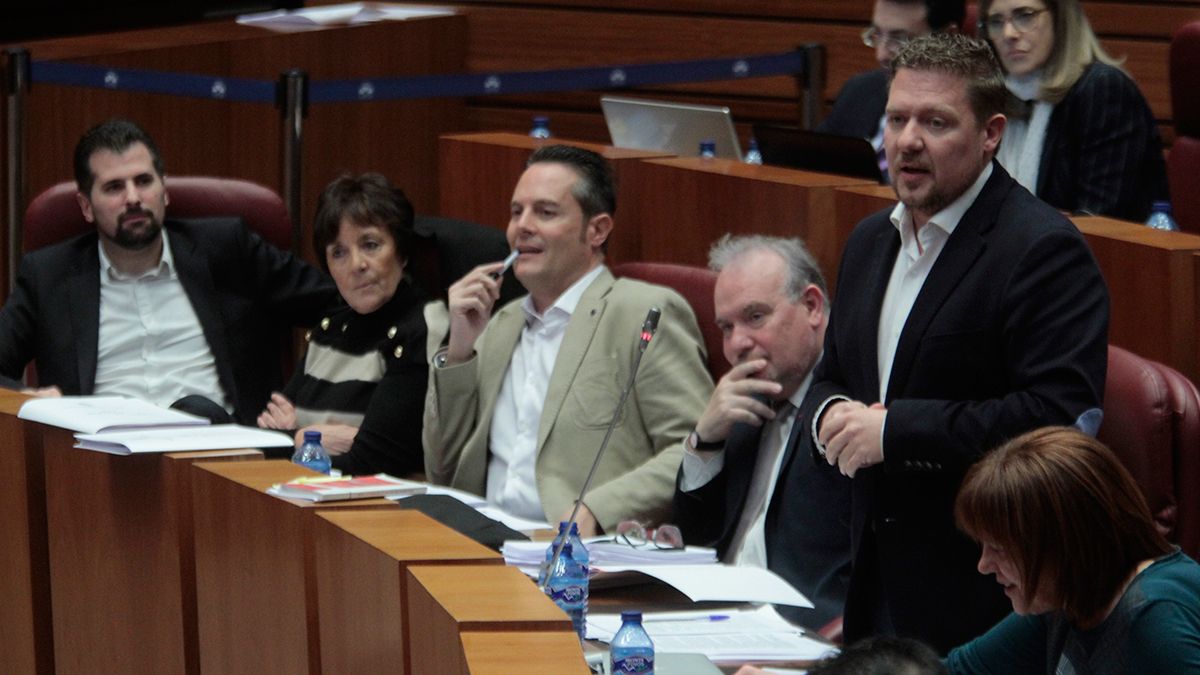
[
  {"x": 858, "y": 109},
  {"x": 742, "y": 486}
]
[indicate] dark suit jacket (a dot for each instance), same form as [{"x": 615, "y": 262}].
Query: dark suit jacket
[
  {"x": 242, "y": 289},
  {"x": 859, "y": 106},
  {"x": 1008, "y": 333},
  {"x": 1102, "y": 152},
  {"x": 807, "y": 527}
]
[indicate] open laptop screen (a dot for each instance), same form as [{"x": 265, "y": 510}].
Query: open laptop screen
[
  {"x": 814, "y": 151},
  {"x": 677, "y": 128}
]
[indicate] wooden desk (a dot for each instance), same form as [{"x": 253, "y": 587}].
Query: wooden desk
[
  {"x": 119, "y": 534},
  {"x": 255, "y": 579},
  {"x": 1152, "y": 281},
  {"x": 453, "y": 601},
  {"x": 850, "y": 206},
  {"x": 477, "y": 174},
  {"x": 492, "y": 653},
  {"x": 681, "y": 206},
  {"x": 360, "y": 560},
  {"x": 24, "y": 560}
]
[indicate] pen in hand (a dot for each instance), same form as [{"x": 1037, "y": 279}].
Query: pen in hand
[{"x": 508, "y": 262}]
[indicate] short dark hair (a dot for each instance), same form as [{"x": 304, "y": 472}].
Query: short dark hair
[
  {"x": 115, "y": 135},
  {"x": 882, "y": 655},
  {"x": 1067, "y": 512},
  {"x": 969, "y": 58},
  {"x": 368, "y": 199},
  {"x": 595, "y": 191}
]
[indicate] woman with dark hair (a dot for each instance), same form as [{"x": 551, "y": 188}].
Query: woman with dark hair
[
  {"x": 1084, "y": 140},
  {"x": 362, "y": 381},
  {"x": 1094, "y": 585}
]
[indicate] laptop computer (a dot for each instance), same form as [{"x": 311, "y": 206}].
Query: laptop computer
[
  {"x": 814, "y": 151},
  {"x": 677, "y": 128}
]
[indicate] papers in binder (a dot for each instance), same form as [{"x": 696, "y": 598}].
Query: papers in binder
[
  {"x": 94, "y": 414},
  {"x": 181, "y": 439}
]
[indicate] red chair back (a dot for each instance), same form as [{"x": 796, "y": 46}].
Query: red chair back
[
  {"x": 54, "y": 215},
  {"x": 696, "y": 285},
  {"x": 1183, "y": 162},
  {"x": 1152, "y": 422}
]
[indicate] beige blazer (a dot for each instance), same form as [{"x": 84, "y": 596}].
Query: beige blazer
[{"x": 636, "y": 479}]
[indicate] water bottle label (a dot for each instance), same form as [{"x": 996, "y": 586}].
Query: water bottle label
[
  {"x": 569, "y": 595},
  {"x": 634, "y": 663}
]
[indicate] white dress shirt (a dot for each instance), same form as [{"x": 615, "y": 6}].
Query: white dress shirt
[
  {"x": 151, "y": 345},
  {"x": 748, "y": 546},
  {"x": 916, "y": 257},
  {"x": 909, "y": 271},
  {"x": 513, "y": 437}
]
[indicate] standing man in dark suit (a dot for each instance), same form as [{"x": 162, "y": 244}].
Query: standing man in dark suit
[
  {"x": 742, "y": 486},
  {"x": 163, "y": 310},
  {"x": 858, "y": 108},
  {"x": 968, "y": 314}
]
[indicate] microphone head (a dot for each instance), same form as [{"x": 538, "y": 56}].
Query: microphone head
[{"x": 650, "y": 325}]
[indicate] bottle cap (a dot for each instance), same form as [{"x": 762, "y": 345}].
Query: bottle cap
[
  {"x": 631, "y": 616},
  {"x": 1163, "y": 206},
  {"x": 540, "y": 120},
  {"x": 312, "y": 437},
  {"x": 708, "y": 146}
]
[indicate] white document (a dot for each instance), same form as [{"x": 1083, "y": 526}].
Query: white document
[
  {"x": 728, "y": 583},
  {"x": 179, "y": 439},
  {"x": 604, "y": 553},
  {"x": 93, "y": 414},
  {"x": 351, "y": 13},
  {"x": 735, "y": 635}
]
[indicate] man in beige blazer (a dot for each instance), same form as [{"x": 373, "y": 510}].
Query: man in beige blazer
[{"x": 519, "y": 401}]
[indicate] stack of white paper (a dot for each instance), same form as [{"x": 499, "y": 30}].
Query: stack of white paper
[
  {"x": 603, "y": 552},
  {"x": 738, "y": 635},
  {"x": 182, "y": 439},
  {"x": 347, "y": 14}
]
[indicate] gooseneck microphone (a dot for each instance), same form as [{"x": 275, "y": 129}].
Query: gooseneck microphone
[{"x": 649, "y": 327}]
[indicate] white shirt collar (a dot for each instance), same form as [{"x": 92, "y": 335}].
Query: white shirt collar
[
  {"x": 566, "y": 303},
  {"x": 166, "y": 263}
]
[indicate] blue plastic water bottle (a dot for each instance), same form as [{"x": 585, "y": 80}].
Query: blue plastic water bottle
[
  {"x": 541, "y": 127},
  {"x": 579, "y": 551},
  {"x": 312, "y": 454},
  {"x": 753, "y": 155},
  {"x": 568, "y": 588},
  {"x": 632, "y": 650},
  {"x": 544, "y": 568},
  {"x": 708, "y": 149},
  {"x": 1160, "y": 217}
]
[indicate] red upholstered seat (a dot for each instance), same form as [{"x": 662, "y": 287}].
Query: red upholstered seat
[
  {"x": 1183, "y": 162},
  {"x": 696, "y": 285},
  {"x": 54, "y": 215},
  {"x": 1185, "y": 423},
  {"x": 1152, "y": 422}
]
